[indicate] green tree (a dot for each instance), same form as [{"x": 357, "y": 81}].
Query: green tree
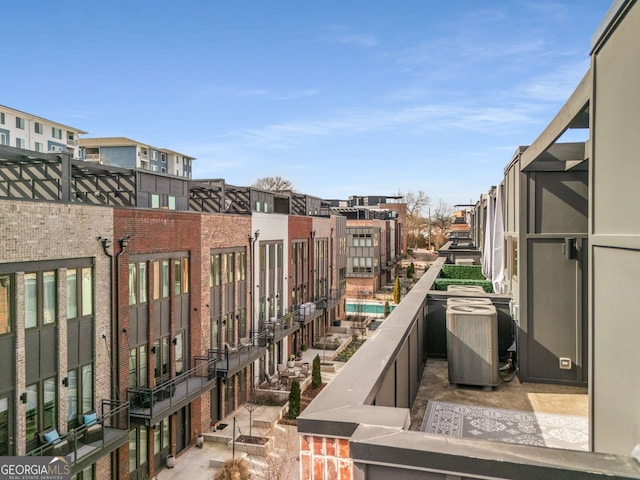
[
  {"x": 396, "y": 291},
  {"x": 316, "y": 375},
  {"x": 411, "y": 270},
  {"x": 387, "y": 309},
  {"x": 294, "y": 399}
]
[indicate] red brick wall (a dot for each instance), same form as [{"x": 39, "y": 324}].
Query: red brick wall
[
  {"x": 156, "y": 232},
  {"x": 325, "y": 458},
  {"x": 218, "y": 231}
]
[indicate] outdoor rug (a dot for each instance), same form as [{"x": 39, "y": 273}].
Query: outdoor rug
[{"x": 510, "y": 426}]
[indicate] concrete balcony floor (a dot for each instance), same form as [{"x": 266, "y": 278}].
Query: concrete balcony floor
[{"x": 542, "y": 398}]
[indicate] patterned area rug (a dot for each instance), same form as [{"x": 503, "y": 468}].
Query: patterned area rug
[{"x": 510, "y": 426}]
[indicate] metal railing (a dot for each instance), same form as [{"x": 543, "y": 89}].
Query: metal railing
[
  {"x": 148, "y": 401},
  {"x": 114, "y": 416}
]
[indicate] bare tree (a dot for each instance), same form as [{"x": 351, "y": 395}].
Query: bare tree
[
  {"x": 416, "y": 203},
  {"x": 273, "y": 184},
  {"x": 280, "y": 462},
  {"x": 441, "y": 223}
]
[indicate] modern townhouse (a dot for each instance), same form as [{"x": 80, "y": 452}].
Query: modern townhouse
[
  {"x": 30, "y": 132},
  {"x": 159, "y": 318}
]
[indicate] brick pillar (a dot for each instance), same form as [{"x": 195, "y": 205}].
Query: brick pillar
[{"x": 325, "y": 458}]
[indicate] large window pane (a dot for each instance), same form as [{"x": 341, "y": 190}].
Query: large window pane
[
  {"x": 133, "y": 369},
  {"x": 165, "y": 357},
  {"x": 4, "y": 427},
  {"x": 49, "y": 416},
  {"x": 179, "y": 354},
  {"x": 133, "y": 284},
  {"x": 185, "y": 275},
  {"x": 72, "y": 293},
  {"x": 30, "y": 300},
  {"x": 49, "y": 297},
  {"x": 165, "y": 279},
  {"x": 72, "y": 395},
  {"x": 133, "y": 450},
  {"x": 87, "y": 388},
  {"x": 87, "y": 291},
  {"x": 142, "y": 274},
  {"x": 177, "y": 277},
  {"x": 156, "y": 280},
  {"x": 144, "y": 369},
  {"x": 143, "y": 446},
  {"x": 5, "y": 304},
  {"x": 32, "y": 411}
]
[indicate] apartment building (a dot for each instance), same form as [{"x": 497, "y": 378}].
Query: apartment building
[
  {"x": 30, "y": 132},
  {"x": 127, "y": 153}
]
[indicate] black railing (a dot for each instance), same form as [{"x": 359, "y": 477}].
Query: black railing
[
  {"x": 231, "y": 358},
  {"x": 150, "y": 401},
  {"x": 110, "y": 430}
]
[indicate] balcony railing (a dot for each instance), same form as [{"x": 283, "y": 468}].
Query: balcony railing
[
  {"x": 149, "y": 405},
  {"x": 279, "y": 327},
  {"x": 85, "y": 445},
  {"x": 230, "y": 359}
]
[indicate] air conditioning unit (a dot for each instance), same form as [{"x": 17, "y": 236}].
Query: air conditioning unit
[
  {"x": 472, "y": 345},
  {"x": 465, "y": 289},
  {"x": 468, "y": 301}
]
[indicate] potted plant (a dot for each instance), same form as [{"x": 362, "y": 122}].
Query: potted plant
[{"x": 292, "y": 361}]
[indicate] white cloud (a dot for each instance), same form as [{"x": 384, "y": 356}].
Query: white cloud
[{"x": 361, "y": 39}]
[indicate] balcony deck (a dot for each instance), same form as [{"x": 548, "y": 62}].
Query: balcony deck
[{"x": 535, "y": 397}]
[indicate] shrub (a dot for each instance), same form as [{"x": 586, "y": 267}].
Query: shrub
[
  {"x": 231, "y": 469},
  {"x": 443, "y": 283},
  {"x": 294, "y": 399},
  {"x": 396, "y": 291},
  {"x": 316, "y": 374},
  {"x": 468, "y": 272},
  {"x": 387, "y": 309}
]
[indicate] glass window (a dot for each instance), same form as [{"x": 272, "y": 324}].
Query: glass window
[
  {"x": 49, "y": 297},
  {"x": 156, "y": 280},
  {"x": 20, "y": 123},
  {"x": 165, "y": 356},
  {"x": 38, "y": 127},
  {"x": 133, "y": 368},
  {"x": 32, "y": 411},
  {"x": 87, "y": 388},
  {"x": 215, "y": 269},
  {"x": 179, "y": 354},
  {"x": 72, "y": 395},
  {"x": 5, "y": 304},
  {"x": 133, "y": 283},
  {"x": 4, "y": 427},
  {"x": 142, "y": 282},
  {"x": 165, "y": 278},
  {"x": 87, "y": 291},
  {"x": 72, "y": 293},
  {"x": 185, "y": 275},
  {"x": 133, "y": 450},
  {"x": 177, "y": 277},
  {"x": 155, "y": 200},
  {"x": 49, "y": 415},
  {"x": 30, "y": 300},
  {"x": 144, "y": 369},
  {"x": 172, "y": 203}
]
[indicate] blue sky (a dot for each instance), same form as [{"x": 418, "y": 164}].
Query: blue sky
[{"x": 339, "y": 97}]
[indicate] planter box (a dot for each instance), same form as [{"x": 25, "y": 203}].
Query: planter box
[{"x": 252, "y": 448}]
